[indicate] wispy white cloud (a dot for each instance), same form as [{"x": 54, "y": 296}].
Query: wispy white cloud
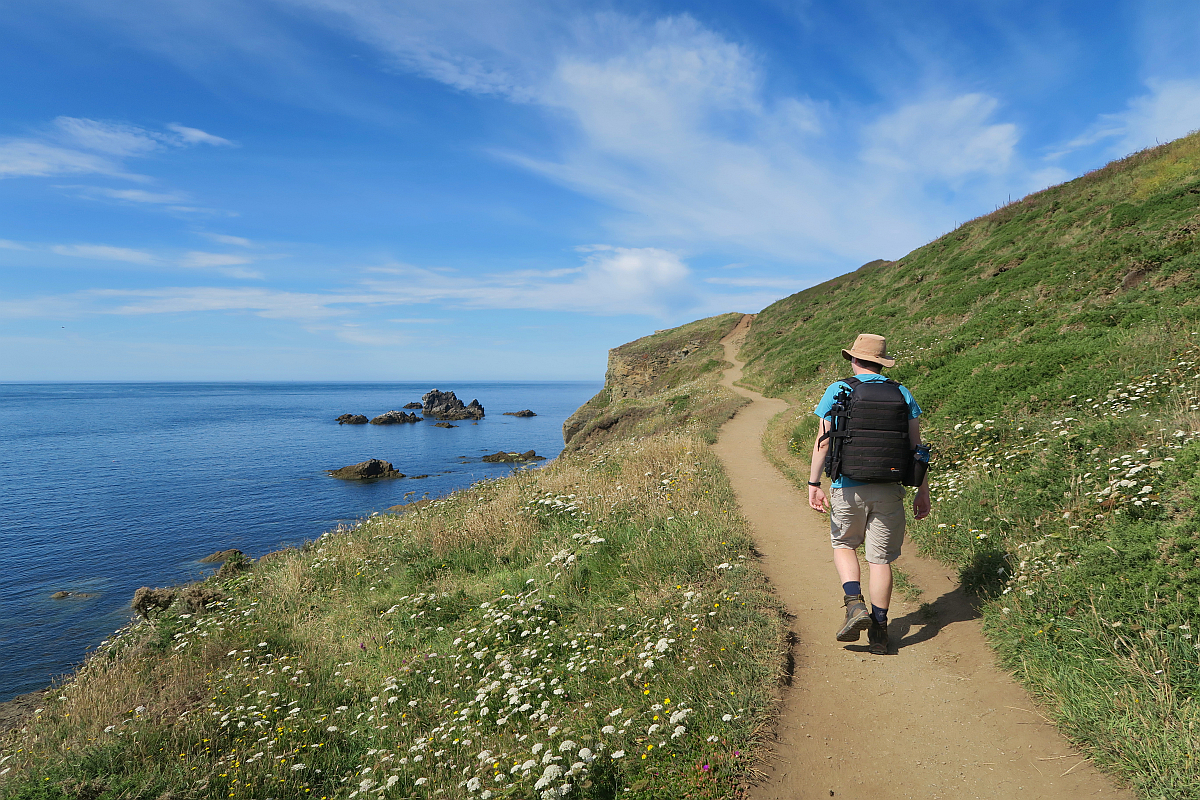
[
  {"x": 221, "y": 238},
  {"x": 951, "y": 138},
  {"x": 105, "y": 252},
  {"x": 130, "y": 195},
  {"x": 780, "y": 283},
  {"x": 80, "y": 146},
  {"x": 372, "y": 337},
  {"x": 272, "y": 304},
  {"x": 111, "y": 138},
  {"x": 199, "y": 259},
  {"x": 477, "y": 47},
  {"x": 200, "y": 211},
  {"x": 197, "y": 136},
  {"x": 611, "y": 280},
  {"x": 1168, "y": 110},
  {"x": 27, "y": 158},
  {"x": 8, "y": 244},
  {"x": 226, "y": 263},
  {"x": 231, "y": 264}
]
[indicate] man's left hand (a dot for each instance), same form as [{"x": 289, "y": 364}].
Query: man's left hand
[{"x": 921, "y": 504}]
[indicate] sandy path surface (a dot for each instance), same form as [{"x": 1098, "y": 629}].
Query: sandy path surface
[{"x": 936, "y": 719}]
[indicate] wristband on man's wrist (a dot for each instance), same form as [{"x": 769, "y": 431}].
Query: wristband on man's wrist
[{"x": 815, "y": 483}]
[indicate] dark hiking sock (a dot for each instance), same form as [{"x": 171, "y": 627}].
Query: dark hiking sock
[
  {"x": 852, "y": 588},
  {"x": 880, "y": 614}
]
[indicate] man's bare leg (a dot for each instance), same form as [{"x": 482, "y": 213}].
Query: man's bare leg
[
  {"x": 881, "y": 584},
  {"x": 846, "y": 561}
]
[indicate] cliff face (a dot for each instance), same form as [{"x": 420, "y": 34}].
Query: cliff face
[
  {"x": 640, "y": 370},
  {"x": 636, "y": 374}
]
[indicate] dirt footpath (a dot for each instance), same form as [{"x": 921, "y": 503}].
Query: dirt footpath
[{"x": 935, "y": 720}]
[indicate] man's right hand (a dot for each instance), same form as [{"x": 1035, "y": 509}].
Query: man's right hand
[{"x": 817, "y": 500}]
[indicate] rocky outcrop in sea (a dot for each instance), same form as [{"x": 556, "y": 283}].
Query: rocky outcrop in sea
[
  {"x": 367, "y": 470},
  {"x": 394, "y": 417},
  {"x": 528, "y": 455},
  {"x": 523, "y": 413},
  {"x": 352, "y": 419},
  {"x": 444, "y": 405}
]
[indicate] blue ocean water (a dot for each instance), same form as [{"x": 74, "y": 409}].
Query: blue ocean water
[{"x": 108, "y": 487}]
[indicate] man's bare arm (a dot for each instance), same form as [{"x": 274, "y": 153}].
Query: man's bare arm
[{"x": 816, "y": 495}]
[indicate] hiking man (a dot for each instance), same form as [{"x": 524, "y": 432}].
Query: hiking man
[{"x": 878, "y": 433}]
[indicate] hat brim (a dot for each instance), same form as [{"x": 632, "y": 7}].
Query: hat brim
[{"x": 887, "y": 362}]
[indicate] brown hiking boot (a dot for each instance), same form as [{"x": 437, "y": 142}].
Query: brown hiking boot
[
  {"x": 857, "y": 618},
  {"x": 877, "y": 635}
]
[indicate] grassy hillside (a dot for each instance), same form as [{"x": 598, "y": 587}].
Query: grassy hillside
[
  {"x": 595, "y": 627},
  {"x": 1055, "y": 347}
]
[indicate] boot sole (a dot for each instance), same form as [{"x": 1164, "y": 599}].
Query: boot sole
[{"x": 853, "y": 629}]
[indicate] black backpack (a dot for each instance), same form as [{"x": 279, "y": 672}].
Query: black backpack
[{"x": 869, "y": 433}]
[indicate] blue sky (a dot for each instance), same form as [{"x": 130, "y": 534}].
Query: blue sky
[{"x": 378, "y": 190}]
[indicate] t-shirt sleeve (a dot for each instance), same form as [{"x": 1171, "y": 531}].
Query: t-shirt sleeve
[
  {"x": 826, "y": 405},
  {"x": 914, "y": 410}
]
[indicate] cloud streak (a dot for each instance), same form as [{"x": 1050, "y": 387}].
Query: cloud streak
[
  {"x": 1168, "y": 109},
  {"x": 80, "y": 146},
  {"x": 231, "y": 264},
  {"x": 610, "y": 281}
]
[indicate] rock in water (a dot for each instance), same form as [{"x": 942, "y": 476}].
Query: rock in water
[
  {"x": 395, "y": 418},
  {"x": 352, "y": 419},
  {"x": 443, "y": 425},
  {"x": 221, "y": 556},
  {"x": 444, "y": 405},
  {"x": 525, "y": 413},
  {"x": 367, "y": 470},
  {"x": 412, "y": 405},
  {"x": 502, "y": 456}
]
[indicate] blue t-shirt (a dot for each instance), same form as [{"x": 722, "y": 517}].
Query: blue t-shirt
[{"x": 826, "y": 405}]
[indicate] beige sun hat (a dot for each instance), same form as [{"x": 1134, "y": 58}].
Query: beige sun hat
[{"x": 869, "y": 347}]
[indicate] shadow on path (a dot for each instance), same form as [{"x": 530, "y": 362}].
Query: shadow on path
[{"x": 956, "y": 605}]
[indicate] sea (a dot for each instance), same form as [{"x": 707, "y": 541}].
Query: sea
[{"x": 106, "y": 487}]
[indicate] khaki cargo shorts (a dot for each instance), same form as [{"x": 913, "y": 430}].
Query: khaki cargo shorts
[{"x": 871, "y": 513}]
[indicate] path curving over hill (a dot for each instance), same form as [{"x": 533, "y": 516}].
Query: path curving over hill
[{"x": 935, "y": 720}]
